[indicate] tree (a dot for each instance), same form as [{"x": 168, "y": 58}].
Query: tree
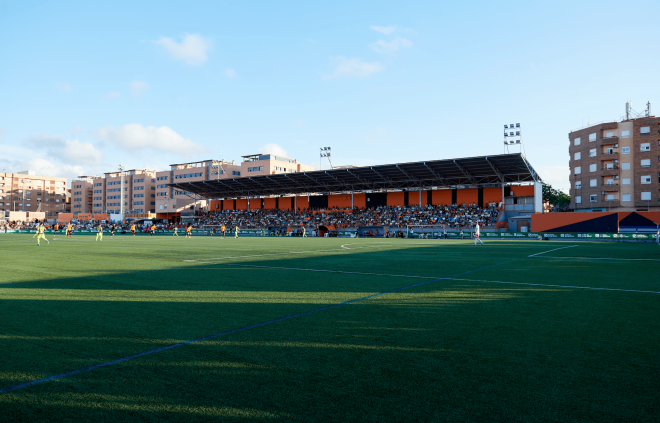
[{"x": 555, "y": 196}]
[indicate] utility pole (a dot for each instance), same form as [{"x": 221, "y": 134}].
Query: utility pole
[{"x": 121, "y": 191}]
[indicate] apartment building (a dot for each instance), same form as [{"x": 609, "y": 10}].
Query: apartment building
[
  {"x": 270, "y": 164},
  {"x": 81, "y": 194},
  {"x": 138, "y": 192},
  {"x": 173, "y": 200},
  {"x": 27, "y": 191},
  {"x": 615, "y": 166}
]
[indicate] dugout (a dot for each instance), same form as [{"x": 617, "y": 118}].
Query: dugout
[
  {"x": 372, "y": 231},
  {"x": 327, "y": 229},
  {"x": 272, "y": 230}
]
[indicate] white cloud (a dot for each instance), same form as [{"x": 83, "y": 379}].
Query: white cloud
[
  {"x": 68, "y": 151},
  {"x": 230, "y": 73},
  {"x": 192, "y": 50},
  {"x": 61, "y": 86},
  {"x": 382, "y": 46},
  {"x": 353, "y": 67},
  {"x": 42, "y": 167},
  {"x": 272, "y": 148},
  {"x": 135, "y": 136},
  {"x": 113, "y": 94},
  {"x": 138, "y": 87},
  {"x": 383, "y": 29}
]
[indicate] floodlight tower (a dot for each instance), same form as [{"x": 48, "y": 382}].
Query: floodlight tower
[
  {"x": 325, "y": 152},
  {"x": 513, "y": 137}
]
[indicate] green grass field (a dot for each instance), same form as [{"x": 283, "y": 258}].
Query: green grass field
[{"x": 493, "y": 333}]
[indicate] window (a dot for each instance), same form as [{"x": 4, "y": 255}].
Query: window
[
  {"x": 646, "y": 195},
  {"x": 593, "y": 198},
  {"x": 578, "y": 199},
  {"x": 576, "y": 156},
  {"x": 625, "y": 134},
  {"x": 578, "y": 184},
  {"x": 592, "y": 137},
  {"x": 161, "y": 194},
  {"x": 609, "y": 182},
  {"x": 609, "y": 135},
  {"x": 138, "y": 188},
  {"x": 625, "y": 165},
  {"x": 644, "y": 130},
  {"x": 645, "y": 146},
  {"x": 646, "y": 179},
  {"x": 592, "y": 152},
  {"x": 255, "y": 169},
  {"x": 610, "y": 197},
  {"x": 593, "y": 182},
  {"x": 138, "y": 180},
  {"x": 578, "y": 170},
  {"x": 576, "y": 141},
  {"x": 625, "y": 181},
  {"x": 625, "y": 197},
  {"x": 138, "y": 203},
  {"x": 162, "y": 178},
  {"x": 592, "y": 167},
  {"x": 646, "y": 162},
  {"x": 236, "y": 172},
  {"x": 138, "y": 195},
  {"x": 625, "y": 150}
]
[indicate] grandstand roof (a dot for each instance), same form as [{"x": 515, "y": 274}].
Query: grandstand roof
[{"x": 472, "y": 171}]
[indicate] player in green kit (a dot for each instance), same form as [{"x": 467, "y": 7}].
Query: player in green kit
[
  {"x": 41, "y": 234},
  {"x": 175, "y": 231},
  {"x": 236, "y": 232},
  {"x": 304, "y": 235},
  {"x": 99, "y": 233}
]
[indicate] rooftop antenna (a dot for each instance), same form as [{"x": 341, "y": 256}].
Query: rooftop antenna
[{"x": 628, "y": 106}]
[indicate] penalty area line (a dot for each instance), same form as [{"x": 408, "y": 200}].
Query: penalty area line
[{"x": 549, "y": 251}]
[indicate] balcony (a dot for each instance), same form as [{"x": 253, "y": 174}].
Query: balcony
[
  {"x": 607, "y": 141},
  {"x": 610, "y": 169},
  {"x": 611, "y": 187},
  {"x": 609, "y": 156}
]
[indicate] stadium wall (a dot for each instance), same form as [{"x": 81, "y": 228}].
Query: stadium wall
[{"x": 593, "y": 222}]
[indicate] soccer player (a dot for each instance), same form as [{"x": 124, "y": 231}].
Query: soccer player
[
  {"x": 56, "y": 230},
  {"x": 236, "y": 232},
  {"x": 304, "y": 235},
  {"x": 99, "y": 233},
  {"x": 153, "y": 230},
  {"x": 41, "y": 233},
  {"x": 133, "y": 229},
  {"x": 69, "y": 230},
  {"x": 223, "y": 229},
  {"x": 461, "y": 233},
  {"x": 112, "y": 230},
  {"x": 176, "y": 231},
  {"x": 476, "y": 236},
  {"x": 189, "y": 231}
]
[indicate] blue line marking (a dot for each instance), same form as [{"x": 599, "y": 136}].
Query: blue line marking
[{"x": 229, "y": 332}]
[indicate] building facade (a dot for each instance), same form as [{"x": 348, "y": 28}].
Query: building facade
[
  {"x": 147, "y": 191},
  {"x": 615, "y": 166},
  {"x": 29, "y": 192}
]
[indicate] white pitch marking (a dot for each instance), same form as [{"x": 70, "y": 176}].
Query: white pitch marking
[
  {"x": 557, "y": 286},
  {"x": 561, "y": 248},
  {"x": 599, "y": 258},
  {"x": 281, "y": 254}
]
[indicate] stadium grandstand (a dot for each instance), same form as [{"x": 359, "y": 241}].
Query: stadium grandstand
[{"x": 454, "y": 193}]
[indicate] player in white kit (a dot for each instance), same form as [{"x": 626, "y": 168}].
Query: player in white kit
[{"x": 476, "y": 236}]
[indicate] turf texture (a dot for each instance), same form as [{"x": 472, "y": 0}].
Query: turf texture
[{"x": 509, "y": 331}]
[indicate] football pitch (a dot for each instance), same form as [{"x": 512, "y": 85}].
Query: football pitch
[{"x": 315, "y": 330}]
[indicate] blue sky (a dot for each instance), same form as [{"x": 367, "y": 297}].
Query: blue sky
[{"x": 84, "y": 86}]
